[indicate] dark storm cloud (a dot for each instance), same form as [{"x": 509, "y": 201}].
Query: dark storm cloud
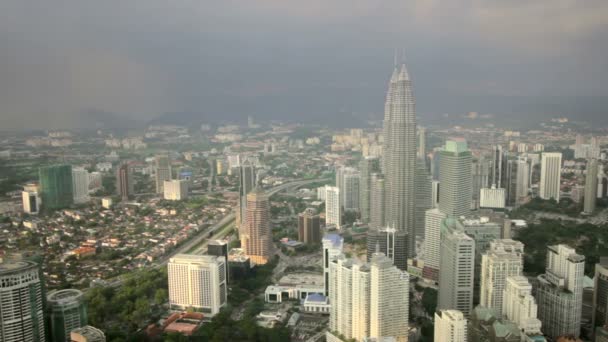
[{"x": 290, "y": 59}]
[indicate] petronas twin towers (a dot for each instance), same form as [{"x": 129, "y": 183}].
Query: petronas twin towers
[{"x": 399, "y": 156}]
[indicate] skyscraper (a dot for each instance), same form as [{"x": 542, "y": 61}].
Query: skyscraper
[
  {"x": 432, "y": 244},
  {"x": 496, "y": 174},
  {"x": 367, "y": 167},
  {"x": 197, "y": 282},
  {"x": 591, "y": 186},
  {"x": 349, "y": 190},
  {"x": 390, "y": 242},
  {"x": 332, "y": 248},
  {"x": 399, "y": 159},
  {"x": 56, "y": 186},
  {"x": 456, "y": 195},
  {"x": 124, "y": 181},
  {"x": 550, "y": 175},
  {"x": 377, "y": 210},
  {"x": 600, "y": 294},
  {"x": 504, "y": 259},
  {"x": 424, "y": 197},
  {"x": 175, "y": 189},
  {"x": 450, "y": 326},
  {"x": 163, "y": 171},
  {"x": 421, "y": 154},
  {"x": 246, "y": 184},
  {"x": 560, "y": 292},
  {"x": 309, "y": 226},
  {"x": 31, "y": 199},
  {"x": 67, "y": 312},
  {"x": 519, "y": 306},
  {"x": 80, "y": 185},
  {"x": 21, "y": 302},
  {"x": 333, "y": 210},
  {"x": 256, "y": 239}
]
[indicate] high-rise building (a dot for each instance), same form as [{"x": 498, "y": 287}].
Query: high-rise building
[
  {"x": 219, "y": 248},
  {"x": 560, "y": 292},
  {"x": 175, "y": 189},
  {"x": 424, "y": 197},
  {"x": 124, "y": 181},
  {"x": 163, "y": 171},
  {"x": 519, "y": 306},
  {"x": 377, "y": 210},
  {"x": 80, "y": 185},
  {"x": 56, "y": 186},
  {"x": 422, "y": 144},
  {"x": 246, "y": 184},
  {"x": 591, "y": 186},
  {"x": 522, "y": 181},
  {"x": 333, "y": 209},
  {"x": 600, "y": 294},
  {"x": 21, "y": 302},
  {"x": 399, "y": 156},
  {"x": 30, "y": 197},
  {"x": 309, "y": 226},
  {"x": 256, "y": 239},
  {"x": 87, "y": 334},
  {"x": 457, "y": 267},
  {"x": 450, "y": 326},
  {"x": 435, "y": 194},
  {"x": 432, "y": 244},
  {"x": 390, "y": 242},
  {"x": 498, "y": 165},
  {"x": 492, "y": 198},
  {"x": 550, "y": 175},
  {"x": 367, "y": 167},
  {"x": 348, "y": 181},
  {"x": 455, "y": 196},
  {"x": 197, "y": 282},
  {"x": 504, "y": 259},
  {"x": 66, "y": 312},
  {"x": 332, "y": 248},
  {"x": 480, "y": 171}
]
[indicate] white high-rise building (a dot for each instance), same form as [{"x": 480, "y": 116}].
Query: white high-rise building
[
  {"x": 333, "y": 210},
  {"x": 377, "y": 210},
  {"x": 30, "y": 197},
  {"x": 550, "y": 175},
  {"x": 456, "y": 193},
  {"x": 197, "y": 282},
  {"x": 432, "y": 244},
  {"x": 350, "y": 190},
  {"x": 591, "y": 186},
  {"x": 457, "y": 271},
  {"x": 519, "y": 306},
  {"x": 450, "y": 326},
  {"x": 80, "y": 185},
  {"x": 560, "y": 292},
  {"x": 492, "y": 198},
  {"x": 504, "y": 259},
  {"x": 175, "y": 189},
  {"x": 332, "y": 248}
]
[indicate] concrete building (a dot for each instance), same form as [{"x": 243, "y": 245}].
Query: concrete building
[
  {"x": 66, "y": 312},
  {"x": 560, "y": 292},
  {"x": 492, "y": 198},
  {"x": 21, "y": 303},
  {"x": 550, "y": 175},
  {"x": 197, "y": 282},
  {"x": 87, "y": 334},
  {"x": 175, "y": 189},
  {"x": 377, "y": 197},
  {"x": 504, "y": 259},
  {"x": 498, "y": 166},
  {"x": 333, "y": 209},
  {"x": 600, "y": 294},
  {"x": 309, "y": 226},
  {"x": 30, "y": 197},
  {"x": 390, "y": 242},
  {"x": 332, "y": 248},
  {"x": 348, "y": 181},
  {"x": 256, "y": 237},
  {"x": 80, "y": 185},
  {"x": 432, "y": 244},
  {"x": 519, "y": 306},
  {"x": 124, "y": 181},
  {"x": 591, "y": 186},
  {"x": 367, "y": 167},
  {"x": 450, "y": 326},
  {"x": 399, "y": 155},
  {"x": 456, "y": 195},
  {"x": 56, "y": 188},
  {"x": 163, "y": 171}
]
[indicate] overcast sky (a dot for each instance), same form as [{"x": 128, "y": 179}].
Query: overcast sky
[{"x": 287, "y": 59}]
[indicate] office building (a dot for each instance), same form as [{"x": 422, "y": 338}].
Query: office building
[
  {"x": 492, "y": 198},
  {"x": 522, "y": 181},
  {"x": 591, "y": 186},
  {"x": 256, "y": 239},
  {"x": 390, "y": 242},
  {"x": 80, "y": 185},
  {"x": 56, "y": 186},
  {"x": 456, "y": 195},
  {"x": 377, "y": 197},
  {"x": 197, "y": 282},
  {"x": 66, "y": 312},
  {"x": 504, "y": 259},
  {"x": 246, "y": 185},
  {"x": 600, "y": 294},
  {"x": 21, "y": 301},
  {"x": 333, "y": 209},
  {"x": 432, "y": 244},
  {"x": 550, "y": 175},
  {"x": 424, "y": 197},
  {"x": 560, "y": 292},
  {"x": 367, "y": 167},
  {"x": 124, "y": 181},
  {"x": 519, "y": 306},
  {"x": 498, "y": 166},
  {"x": 309, "y": 226},
  {"x": 332, "y": 248},
  {"x": 480, "y": 172},
  {"x": 399, "y": 155},
  {"x": 421, "y": 154},
  {"x": 348, "y": 181},
  {"x": 87, "y": 334},
  {"x": 457, "y": 266},
  {"x": 450, "y": 326},
  {"x": 30, "y": 197},
  {"x": 435, "y": 193},
  {"x": 175, "y": 189},
  {"x": 163, "y": 171}
]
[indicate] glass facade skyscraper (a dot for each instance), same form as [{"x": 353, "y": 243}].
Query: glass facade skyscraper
[{"x": 56, "y": 186}]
